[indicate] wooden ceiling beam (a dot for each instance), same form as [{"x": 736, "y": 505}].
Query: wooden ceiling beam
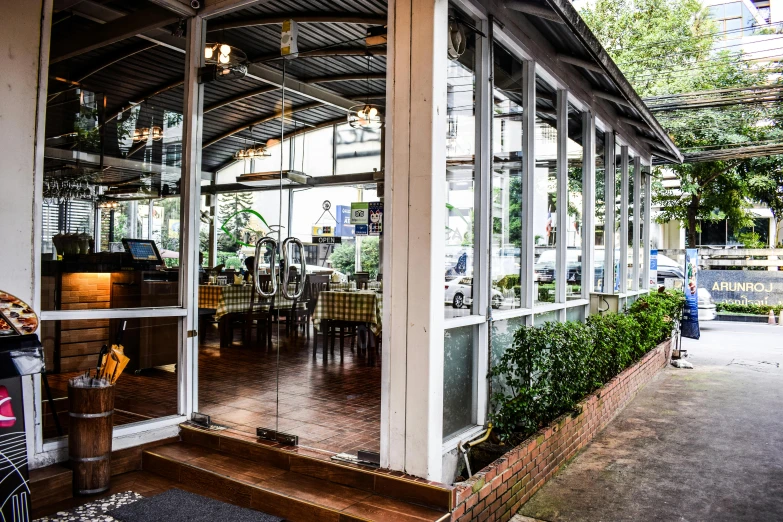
[
  {"x": 530, "y": 8},
  {"x": 345, "y": 78},
  {"x": 579, "y": 62}
]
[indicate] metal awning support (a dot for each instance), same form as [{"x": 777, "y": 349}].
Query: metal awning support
[
  {"x": 579, "y": 62},
  {"x": 311, "y": 18},
  {"x": 532, "y": 9}
]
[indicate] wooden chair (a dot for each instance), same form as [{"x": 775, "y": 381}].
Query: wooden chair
[
  {"x": 362, "y": 280},
  {"x": 259, "y": 315},
  {"x": 315, "y": 285},
  {"x": 299, "y": 314}
]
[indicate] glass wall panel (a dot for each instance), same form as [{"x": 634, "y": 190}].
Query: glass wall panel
[
  {"x": 147, "y": 388},
  {"x": 507, "y": 199},
  {"x": 459, "y": 379},
  {"x": 545, "y": 226},
  {"x": 631, "y": 209},
  {"x": 502, "y": 337},
  {"x": 111, "y": 174},
  {"x": 357, "y": 150},
  {"x": 546, "y": 317},
  {"x": 576, "y": 313},
  {"x": 460, "y": 176},
  {"x": 600, "y": 209},
  {"x": 574, "y": 227}
]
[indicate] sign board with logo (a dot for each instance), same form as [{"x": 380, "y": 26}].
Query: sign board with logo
[
  {"x": 653, "y": 267},
  {"x": 375, "y": 218},
  {"x": 323, "y": 230},
  {"x": 361, "y": 230},
  {"x": 360, "y": 213},
  {"x": 14, "y": 489},
  {"x": 754, "y": 287},
  {"x": 327, "y": 240},
  {"x": 344, "y": 227}
]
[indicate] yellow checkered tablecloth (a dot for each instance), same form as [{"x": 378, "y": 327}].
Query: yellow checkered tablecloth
[
  {"x": 365, "y": 306},
  {"x": 233, "y": 299}
]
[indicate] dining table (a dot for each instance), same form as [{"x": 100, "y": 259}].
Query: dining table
[
  {"x": 234, "y": 299},
  {"x": 360, "y": 309}
]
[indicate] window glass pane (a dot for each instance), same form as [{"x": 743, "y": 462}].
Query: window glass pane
[
  {"x": 151, "y": 344},
  {"x": 600, "y": 210},
  {"x": 576, "y": 313},
  {"x": 313, "y": 152},
  {"x": 460, "y": 175},
  {"x": 502, "y": 333},
  {"x": 357, "y": 150},
  {"x": 459, "y": 380},
  {"x": 631, "y": 209},
  {"x": 618, "y": 213},
  {"x": 112, "y": 173},
  {"x": 507, "y": 200},
  {"x": 574, "y": 226},
  {"x": 546, "y": 317},
  {"x": 732, "y": 10},
  {"x": 733, "y": 28},
  {"x": 545, "y": 193}
]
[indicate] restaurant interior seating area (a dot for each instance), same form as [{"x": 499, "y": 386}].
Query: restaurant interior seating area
[{"x": 288, "y": 333}]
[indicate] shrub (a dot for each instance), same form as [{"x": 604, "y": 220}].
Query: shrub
[
  {"x": 749, "y": 308},
  {"x": 548, "y": 369}
]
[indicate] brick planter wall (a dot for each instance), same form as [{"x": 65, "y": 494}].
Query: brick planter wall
[{"x": 499, "y": 490}]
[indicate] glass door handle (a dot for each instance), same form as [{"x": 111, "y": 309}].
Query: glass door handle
[
  {"x": 272, "y": 266},
  {"x": 287, "y": 264}
]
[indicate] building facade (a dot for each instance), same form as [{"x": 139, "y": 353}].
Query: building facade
[{"x": 506, "y": 125}]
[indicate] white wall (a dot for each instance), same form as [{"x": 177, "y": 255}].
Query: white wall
[{"x": 20, "y": 27}]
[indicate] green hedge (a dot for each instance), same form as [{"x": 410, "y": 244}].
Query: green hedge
[
  {"x": 548, "y": 369},
  {"x": 748, "y": 308}
]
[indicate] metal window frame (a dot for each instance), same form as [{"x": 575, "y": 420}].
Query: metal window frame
[
  {"x": 588, "y": 203},
  {"x": 609, "y": 203},
  {"x": 637, "y": 218},
  {"x": 561, "y": 269}
]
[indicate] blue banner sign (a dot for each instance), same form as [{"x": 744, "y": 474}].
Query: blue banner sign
[
  {"x": 344, "y": 227},
  {"x": 690, "y": 316}
]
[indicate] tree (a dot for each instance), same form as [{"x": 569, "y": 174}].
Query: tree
[
  {"x": 665, "y": 48},
  {"x": 231, "y": 219},
  {"x": 343, "y": 258}
]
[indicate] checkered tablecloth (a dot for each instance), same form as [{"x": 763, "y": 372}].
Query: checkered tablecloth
[
  {"x": 233, "y": 299},
  {"x": 373, "y": 285},
  {"x": 362, "y": 307}
]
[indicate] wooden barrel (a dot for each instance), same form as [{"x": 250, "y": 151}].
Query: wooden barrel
[{"x": 89, "y": 438}]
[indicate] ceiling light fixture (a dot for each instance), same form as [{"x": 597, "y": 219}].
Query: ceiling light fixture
[
  {"x": 367, "y": 115},
  {"x": 224, "y": 62}
]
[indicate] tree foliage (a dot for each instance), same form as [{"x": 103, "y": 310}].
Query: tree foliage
[
  {"x": 228, "y": 207},
  {"x": 343, "y": 257},
  {"x": 667, "y": 47}
]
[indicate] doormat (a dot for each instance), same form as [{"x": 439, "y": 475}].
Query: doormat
[
  {"x": 176, "y": 505},
  {"x": 94, "y": 511}
]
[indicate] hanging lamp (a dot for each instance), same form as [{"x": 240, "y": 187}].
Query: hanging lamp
[{"x": 367, "y": 115}]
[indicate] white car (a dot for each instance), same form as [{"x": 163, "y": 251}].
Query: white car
[
  {"x": 459, "y": 292},
  {"x": 707, "y": 309}
]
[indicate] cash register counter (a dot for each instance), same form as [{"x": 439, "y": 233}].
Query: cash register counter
[{"x": 108, "y": 281}]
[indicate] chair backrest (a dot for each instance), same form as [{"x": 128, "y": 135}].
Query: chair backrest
[
  {"x": 379, "y": 277},
  {"x": 256, "y": 299},
  {"x": 315, "y": 285},
  {"x": 362, "y": 280}
]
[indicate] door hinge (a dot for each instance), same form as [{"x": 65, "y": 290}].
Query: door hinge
[{"x": 192, "y": 333}]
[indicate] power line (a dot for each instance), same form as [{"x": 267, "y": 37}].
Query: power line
[
  {"x": 680, "y": 53},
  {"x": 694, "y": 37}
]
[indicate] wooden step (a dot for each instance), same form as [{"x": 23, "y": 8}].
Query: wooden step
[
  {"x": 408, "y": 489},
  {"x": 275, "y": 490},
  {"x": 50, "y": 485}
]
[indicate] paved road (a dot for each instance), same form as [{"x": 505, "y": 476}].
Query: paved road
[{"x": 694, "y": 445}]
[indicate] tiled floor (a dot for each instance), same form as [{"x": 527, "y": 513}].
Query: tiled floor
[{"x": 333, "y": 406}]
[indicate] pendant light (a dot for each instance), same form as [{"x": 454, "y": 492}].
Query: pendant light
[{"x": 367, "y": 115}]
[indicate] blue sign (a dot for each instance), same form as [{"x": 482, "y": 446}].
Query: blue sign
[
  {"x": 344, "y": 227},
  {"x": 690, "y": 315},
  {"x": 362, "y": 230}
]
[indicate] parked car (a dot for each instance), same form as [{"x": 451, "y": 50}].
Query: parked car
[
  {"x": 544, "y": 268},
  {"x": 459, "y": 292},
  {"x": 707, "y": 309}
]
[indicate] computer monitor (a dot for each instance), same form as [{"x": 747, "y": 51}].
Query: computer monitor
[{"x": 142, "y": 250}]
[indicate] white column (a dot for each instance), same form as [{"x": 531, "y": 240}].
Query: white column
[
  {"x": 588, "y": 204},
  {"x": 609, "y": 197},
  {"x": 637, "y": 221},
  {"x": 528, "y": 180},
  {"x": 646, "y": 232},
  {"x": 562, "y": 197},
  {"x": 623, "y": 275},
  {"x": 191, "y": 214},
  {"x": 412, "y": 375}
]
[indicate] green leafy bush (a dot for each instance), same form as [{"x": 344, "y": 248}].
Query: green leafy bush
[
  {"x": 748, "y": 308},
  {"x": 548, "y": 369}
]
